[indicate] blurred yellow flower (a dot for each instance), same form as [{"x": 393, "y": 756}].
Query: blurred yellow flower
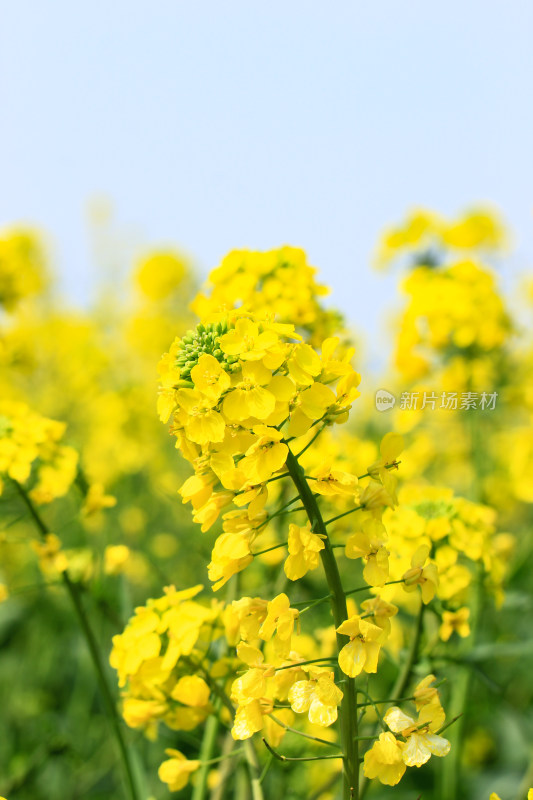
[
  {"x": 160, "y": 274},
  {"x": 52, "y": 560},
  {"x": 455, "y": 621},
  {"x": 177, "y": 770},
  {"x": 115, "y": 558},
  {"x": 96, "y": 500}
]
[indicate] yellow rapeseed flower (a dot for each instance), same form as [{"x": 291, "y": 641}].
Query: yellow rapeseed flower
[
  {"x": 455, "y": 621},
  {"x": 362, "y": 651},
  {"x": 177, "y": 770},
  {"x": 304, "y": 549},
  {"x": 319, "y": 696},
  {"x": 421, "y": 740},
  {"x": 384, "y": 760}
]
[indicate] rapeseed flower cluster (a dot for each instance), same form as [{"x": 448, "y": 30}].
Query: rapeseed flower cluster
[
  {"x": 278, "y": 279},
  {"x": 27, "y": 438},
  {"x": 22, "y": 266},
  {"x": 359, "y": 579},
  {"x": 156, "y": 658},
  {"x": 235, "y": 390},
  {"x": 411, "y": 742},
  {"x": 454, "y": 311},
  {"x": 426, "y": 234},
  {"x": 246, "y": 399},
  {"x": 445, "y": 544}
]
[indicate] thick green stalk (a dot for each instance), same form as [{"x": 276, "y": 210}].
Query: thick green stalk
[
  {"x": 348, "y": 708},
  {"x": 75, "y": 595}
]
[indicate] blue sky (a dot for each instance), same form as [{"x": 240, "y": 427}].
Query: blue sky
[{"x": 244, "y": 124}]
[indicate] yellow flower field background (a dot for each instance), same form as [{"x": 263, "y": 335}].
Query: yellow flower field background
[{"x": 231, "y": 568}]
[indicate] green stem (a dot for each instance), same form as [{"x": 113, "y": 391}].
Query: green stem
[
  {"x": 403, "y": 678},
  {"x": 368, "y": 588},
  {"x": 269, "y": 549},
  {"x": 209, "y": 739},
  {"x": 109, "y": 702},
  {"x": 227, "y": 768},
  {"x": 281, "y": 757},
  {"x": 303, "y": 663},
  {"x": 224, "y": 757},
  {"x": 301, "y": 733},
  {"x": 340, "y": 516},
  {"x": 326, "y": 597},
  {"x": 387, "y": 466},
  {"x": 387, "y": 700},
  {"x": 308, "y": 445},
  {"x": 279, "y": 512},
  {"x": 448, "y": 724},
  {"x": 266, "y": 768},
  {"x": 375, "y": 707},
  {"x": 253, "y": 769},
  {"x": 348, "y": 708},
  {"x": 242, "y": 784}
]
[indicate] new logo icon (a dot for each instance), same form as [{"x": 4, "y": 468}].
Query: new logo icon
[{"x": 384, "y": 400}]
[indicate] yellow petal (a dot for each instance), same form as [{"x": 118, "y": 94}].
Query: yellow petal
[
  {"x": 397, "y": 720},
  {"x": 357, "y": 545},
  {"x": 327, "y": 692},
  {"x": 320, "y": 714},
  {"x": 299, "y": 423},
  {"x": 251, "y": 655},
  {"x": 416, "y": 751},
  {"x": 315, "y": 400},
  {"x": 248, "y": 720},
  {"x": 352, "y": 658},
  {"x": 296, "y": 566},
  {"x": 437, "y": 745},
  {"x": 372, "y": 654},
  {"x": 191, "y": 690},
  {"x": 260, "y": 403},
  {"x": 391, "y": 446},
  {"x": 375, "y": 572},
  {"x": 300, "y": 696},
  {"x": 384, "y": 760},
  {"x": 205, "y": 428}
]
